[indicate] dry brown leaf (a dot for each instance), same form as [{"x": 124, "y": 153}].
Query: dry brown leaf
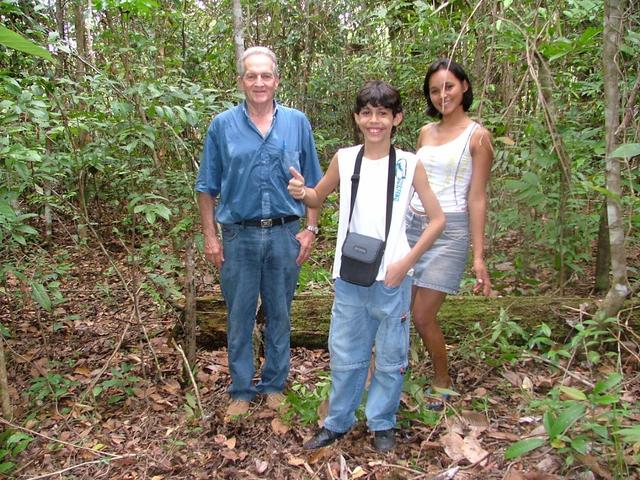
[
  {"x": 278, "y": 426},
  {"x": 230, "y": 455},
  {"x": 549, "y": 464},
  {"x": 171, "y": 386},
  {"x": 358, "y": 472},
  {"x": 261, "y": 466},
  {"x": 319, "y": 455},
  {"x": 219, "y": 439},
  {"x": 473, "y": 451},
  {"x": 592, "y": 463},
  {"x": 295, "y": 461},
  {"x": 476, "y": 420},
  {"x": 514, "y": 474},
  {"x": 453, "y": 445},
  {"x": 231, "y": 443},
  {"x": 506, "y": 140},
  {"x": 513, "y": 378},
  {"x": 512, "y": 437},
  {"x": 323, "y": 410},
  {"x": 82, "y": 371},
  {"x": 535, "y": 475},
  {"x": 480, "y": 392},
  {"x": 457, "y": 426},
  {"x": 539, "y": 431}
]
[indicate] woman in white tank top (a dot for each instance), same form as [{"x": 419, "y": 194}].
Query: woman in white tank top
[{"x": 457, "y": 155}]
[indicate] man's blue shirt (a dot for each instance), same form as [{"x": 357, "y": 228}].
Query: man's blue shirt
[{"x": 249, "y": 172}]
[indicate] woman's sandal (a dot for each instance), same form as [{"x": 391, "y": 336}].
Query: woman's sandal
[{"x": 436, "y": 398}]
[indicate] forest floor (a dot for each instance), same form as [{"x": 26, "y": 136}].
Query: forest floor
[{"x": 98, "y": 393}]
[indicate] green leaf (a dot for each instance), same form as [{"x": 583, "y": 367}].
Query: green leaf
[
  {"x": 573, "y": 393},
  {"x": 556, "y": 425},
  {"x": 40, "y": 295},
  {"x": 605, "y": 399},
  {"x": 523, "y": 446},
  {"x": 626, "y": 150},
  {"x": 163, "y": 211},
  {"x": 630, "y": 435},
  {"x": 14, "y": 40},
  {"x": 607, "y": 384},
  {"x": 18, "y": 437},
  {"x": 6, "y": 467}
]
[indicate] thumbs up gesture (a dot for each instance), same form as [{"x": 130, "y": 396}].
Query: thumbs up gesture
[{"x": 296, "y": 186}]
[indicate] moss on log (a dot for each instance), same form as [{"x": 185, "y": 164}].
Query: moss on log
[{"x": 310, "y": 316}]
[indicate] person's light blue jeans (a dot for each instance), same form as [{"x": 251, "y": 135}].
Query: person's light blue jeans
[
  {"x": 361, "y": 318},
  {"x": 258, "y": 261}
]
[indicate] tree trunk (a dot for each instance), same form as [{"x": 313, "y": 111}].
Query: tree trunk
[
  {"x": 7, "y": 411},
  {"x": 619, "y": 289},
  {"x": 91, "y": 56},
  {"x": 603, "y": 253},
  {"x": 62, "y": 34},
  {"x": 81, "y": 43},
  {"x": 238, "y": 32}
]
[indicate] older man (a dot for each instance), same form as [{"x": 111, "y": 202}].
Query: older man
[{"x": 245, "y": 164}]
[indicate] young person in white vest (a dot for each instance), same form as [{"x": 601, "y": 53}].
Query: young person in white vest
[
  {"x": 457, "y": 154},
  {"x": 377, "y": 315}
]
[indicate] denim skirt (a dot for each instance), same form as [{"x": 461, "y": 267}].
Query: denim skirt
[{"x": 441, "y": 267}]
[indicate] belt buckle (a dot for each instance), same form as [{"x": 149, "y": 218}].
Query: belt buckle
[{"x": 266, "y": 223}]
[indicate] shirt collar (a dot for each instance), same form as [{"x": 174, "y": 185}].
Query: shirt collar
[{"x": 246, "y": 112}]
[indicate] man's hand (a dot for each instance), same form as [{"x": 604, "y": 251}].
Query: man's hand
[
  {"x": 305, "y": 237},
  {"x": 213, "y": 251},
  {"x": 296, "y": 184}
]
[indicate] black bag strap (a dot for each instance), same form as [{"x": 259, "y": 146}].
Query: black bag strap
[{"x": 391, "y": 177}]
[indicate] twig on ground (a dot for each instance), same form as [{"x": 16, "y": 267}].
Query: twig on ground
[
  {"x": 72, "y": 467},
  {"x": 108, "y": 362},
  {"x": 560, "y": 367},
  {"x": 193, "y": 380},
  {"x": 62, "y": 442}
]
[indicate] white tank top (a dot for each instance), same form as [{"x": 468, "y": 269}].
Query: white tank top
[
  {"x": 449, "y": 169},
  {"x": 371, "y": 203}
]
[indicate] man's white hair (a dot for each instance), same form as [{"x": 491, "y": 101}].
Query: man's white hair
[{"x": 258, "y": 51}]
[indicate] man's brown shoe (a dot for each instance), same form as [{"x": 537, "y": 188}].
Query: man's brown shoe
[
  {"x": 275, "y": 401},
  {"x": 237, "y": 408}
]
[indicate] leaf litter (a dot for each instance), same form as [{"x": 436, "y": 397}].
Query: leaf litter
[{"x": 140, "y": 428}]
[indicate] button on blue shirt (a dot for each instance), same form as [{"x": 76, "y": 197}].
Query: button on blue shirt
[{"x": 249, "y": 172}]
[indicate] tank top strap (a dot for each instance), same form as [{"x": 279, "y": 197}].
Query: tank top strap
[{"x": 472, "y": 127}]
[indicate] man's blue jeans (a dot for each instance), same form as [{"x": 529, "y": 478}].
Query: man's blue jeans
[
  {"x": 362, "y": 317},
  {"x": 258, "y": 262}
]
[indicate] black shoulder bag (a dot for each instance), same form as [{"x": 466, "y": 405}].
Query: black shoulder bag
[{"x": 362, "y": 255}]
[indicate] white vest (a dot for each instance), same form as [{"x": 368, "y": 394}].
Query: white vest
[
  {"x": 449, "y": 168},
  {"x": 371, "y": 203}
]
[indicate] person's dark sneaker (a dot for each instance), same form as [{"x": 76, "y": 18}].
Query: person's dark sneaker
[
  {"x": 384, "y": 440},
  {"x": 322, "y": 438}
]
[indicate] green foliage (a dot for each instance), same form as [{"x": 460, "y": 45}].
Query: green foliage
[
  {"x": 119, "y": 386},
  {"x": 14, "y": 40},
  {"x": 51, "y": 387},
  {"x": 414, "y": 387},
  {"x": 579, "y": 422},
  {"x": 304, "y": 401},
  {"x": 12, "y": 443}
]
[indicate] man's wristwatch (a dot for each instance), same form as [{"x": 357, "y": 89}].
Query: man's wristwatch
[{"x": 313, "y": 228}]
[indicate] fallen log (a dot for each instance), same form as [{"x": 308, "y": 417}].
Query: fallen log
[{"x": 311, "y": 314}]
